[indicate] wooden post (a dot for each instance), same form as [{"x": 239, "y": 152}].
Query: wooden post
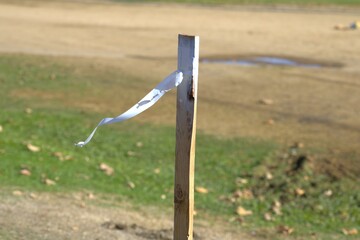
[{"x": 188, "y": 62}]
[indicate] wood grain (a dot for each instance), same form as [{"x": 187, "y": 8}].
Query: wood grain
[{"x": 188, "y": 62}]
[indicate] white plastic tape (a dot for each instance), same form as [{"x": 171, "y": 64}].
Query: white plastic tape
[{"x": 170, "y": 82}]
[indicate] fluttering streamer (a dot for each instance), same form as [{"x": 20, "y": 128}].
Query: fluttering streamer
[{"x": 170, "y": 82}]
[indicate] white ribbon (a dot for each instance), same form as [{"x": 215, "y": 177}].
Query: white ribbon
[{"x": 170, "y": 82}]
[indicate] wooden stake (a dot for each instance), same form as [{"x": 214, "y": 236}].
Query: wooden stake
[{"x": 188, "y": 62}]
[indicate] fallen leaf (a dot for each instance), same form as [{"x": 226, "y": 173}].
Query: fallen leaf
[
  {"x": 28, "y": 110},
  {"x": 25, "y": 172},
  {"x": 285, "y": 229},
  {"x": 299, "y": 145},
  {"x": 17, "y": 193},
  {"x": 277, "y": 208},
  {"x": 268, "y": 176},
  {"x": 266, "y": 101},
  {"x": 228, "y": 199},
  {"x": 231, "y": 199},
  {"x": 32, "y": 148},
  {"x": 277, "y": 204},
  {"x": 49, "y": 182},
  {"x": 139, "y": 144},
  {"x": 91, "y": 196},
  {"x": 247, "y": 194},
  {"x": 328, "y": 193},
  {"x": 68, "y": 157},
  {"x": 106, "y": 169},
  {"x": 131, "y": 153},
  {"x": 131, "y": 184},
  {"x": 243, "y": 212},
  {"x": 268, "y": 217},
  {"x": 61, "y": 156},
  {"x": 33, "y": 195},
  {"x": 1, "y": 129},
  {"x": 201, "y": 190},
  {"x": 240, "y": 181},
  {"x": 237, "y": 194},
  {"x": 352, "y": 231},
  {"x": 341, "y": 27},
  {"x": 82, "y": 204},
  {"x": 270, "y": 121},
  {"x": 299, "y": 191}
]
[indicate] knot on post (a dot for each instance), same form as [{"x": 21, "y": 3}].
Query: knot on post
[{"x": 179, "y": 195}]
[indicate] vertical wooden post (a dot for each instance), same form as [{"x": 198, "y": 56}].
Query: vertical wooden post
[{"x": 188, "y": 62}]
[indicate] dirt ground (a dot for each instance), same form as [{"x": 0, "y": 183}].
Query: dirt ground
[
  {"x": 27, "y": 215},
  {"x": 316, "y": 106}
]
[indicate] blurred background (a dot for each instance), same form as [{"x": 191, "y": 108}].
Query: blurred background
[{"x": 277, "y": 153}]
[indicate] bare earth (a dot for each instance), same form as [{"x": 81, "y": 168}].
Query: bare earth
[
  {"x": 317, "y": 106},
  {"x": 75, "y": 216}
]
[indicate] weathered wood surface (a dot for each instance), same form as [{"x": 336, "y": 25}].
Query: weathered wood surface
[{"x": 188, "y": 62}]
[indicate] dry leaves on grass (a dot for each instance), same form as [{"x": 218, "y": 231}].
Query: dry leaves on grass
[
  {"x": 131, "y": 184},
  {"x": 33, "y": 148},
  {"x": 352, "y": 231},
  {"x": 299, "y": 191},
  {"x": 244, "y": 194},
  {"x": 328, "y": 193},
  {"x": 268, "y": 217},
  {"x": 269, "y": 176},
  {"x": 201, "y": 190},
  {"x": 49, "y": 182},
  {"x": 241, "y": 181},
  {"x": 283, "y": 229},
  {"x": 28, "y": 110},
  {"x": 61, "y": 156},
  {"x": 25, "y": 172},
  {"x": 106, "y": 169},
  {"x": 243, "y": 212},
  {"x": 276, "y": 207}
]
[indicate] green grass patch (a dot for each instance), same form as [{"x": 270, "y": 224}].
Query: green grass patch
[{"x": 237, "y": 172}]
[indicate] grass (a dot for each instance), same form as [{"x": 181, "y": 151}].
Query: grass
[{"x": 237, "y": 172}]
